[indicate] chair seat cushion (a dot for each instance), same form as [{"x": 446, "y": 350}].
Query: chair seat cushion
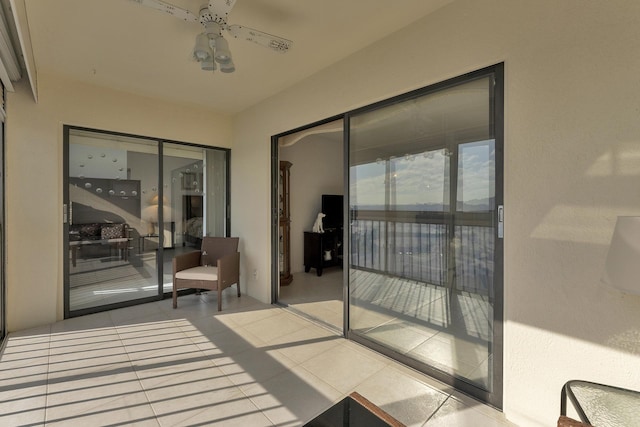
[{"x": 198, "y": 273}]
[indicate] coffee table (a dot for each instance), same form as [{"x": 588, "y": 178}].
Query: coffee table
[
  {"x": 601, "y": 405},
  {"x": 354, "y": 411}
]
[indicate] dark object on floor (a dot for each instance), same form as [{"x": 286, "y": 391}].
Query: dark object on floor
[{"x": 355, "y": 411}]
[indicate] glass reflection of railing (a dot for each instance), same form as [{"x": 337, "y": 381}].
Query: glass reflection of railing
[{"x": 423, "y": 250}]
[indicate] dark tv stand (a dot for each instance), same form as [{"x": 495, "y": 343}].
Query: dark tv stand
[{"x": 315, "y": 247}]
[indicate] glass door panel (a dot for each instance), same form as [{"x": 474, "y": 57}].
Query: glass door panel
[
  {"x": 128, "y": 214},
  {"x": 195, "y": 200},
  {"x": 183, "y": 184},
  {"x": 307, "y": 280},
  {"x": 422, "y": 231},
  {"x": 216, "y": 197},
  {"x": 112, "y": 211}
]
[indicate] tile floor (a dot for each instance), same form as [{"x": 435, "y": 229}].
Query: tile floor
[
  {"x": 422, "y": 321},
  {"x": 108, "y": 280},
  {"x": 317, "y": 297},
  {"x": 250, "y": 365}
]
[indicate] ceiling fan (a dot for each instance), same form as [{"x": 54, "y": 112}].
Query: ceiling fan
[{"x": 211, "y": 47}]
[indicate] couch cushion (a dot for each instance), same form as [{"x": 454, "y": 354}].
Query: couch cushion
[
  {"x": 114, "y": 231},
  {"x": 86, "y": 231},
  {"x": 198, "y": 273}
]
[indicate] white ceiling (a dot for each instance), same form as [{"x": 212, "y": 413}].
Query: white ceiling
[{"x": 125, "y": 46}]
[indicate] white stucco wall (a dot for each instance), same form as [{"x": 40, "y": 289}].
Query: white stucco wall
[
  {"x": 34, "y": 176},
  {"x": 572, "y": 164}
]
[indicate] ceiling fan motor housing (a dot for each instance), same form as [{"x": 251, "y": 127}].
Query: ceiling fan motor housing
[{"x": 205, "y": 17}]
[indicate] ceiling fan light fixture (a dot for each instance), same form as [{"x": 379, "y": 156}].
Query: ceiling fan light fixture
[
  {"x": 222, "y": 52},
  {"x": 202, "y": 51},
  {"x": 228, "y": 67},
  {"x": 208, "y": 65}
]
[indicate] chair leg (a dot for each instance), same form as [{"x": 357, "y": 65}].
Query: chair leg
[
  {"x": 238, "y": 286},
  {"x": 219, "y": 298}
]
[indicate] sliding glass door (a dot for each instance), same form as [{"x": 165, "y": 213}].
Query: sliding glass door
[
  {"x": 131, "y": 204},
  {"x": 195, "y": 200},
  {"x": 113, "y": 193},
  {"x": 3, "y": 329},
  {"x": 425, "y": 282}
]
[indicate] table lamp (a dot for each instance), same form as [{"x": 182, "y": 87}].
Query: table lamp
[{"x": 150, "y": 214}]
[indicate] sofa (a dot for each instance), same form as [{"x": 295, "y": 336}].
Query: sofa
[{"x": 99, "y": 239}]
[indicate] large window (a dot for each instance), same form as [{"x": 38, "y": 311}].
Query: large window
[
  {"x": 132, "y": 203},
  {"x": 425, "y": 282}
]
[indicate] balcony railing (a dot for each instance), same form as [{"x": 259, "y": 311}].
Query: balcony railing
[{"x": 454, "y": 251}]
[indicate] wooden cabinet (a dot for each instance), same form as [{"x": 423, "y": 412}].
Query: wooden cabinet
[
  {"x": 322, "y": 250},
  {"x": 285, "y": 224}
]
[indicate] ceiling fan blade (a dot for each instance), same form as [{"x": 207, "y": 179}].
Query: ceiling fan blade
[
  {"x": 220, "y": 9},
  {"x": 168, "y": 8},
  {"x": 263, "y": 39}
]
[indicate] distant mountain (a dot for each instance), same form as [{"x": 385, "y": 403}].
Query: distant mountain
[{"x": 475, "y": 205}]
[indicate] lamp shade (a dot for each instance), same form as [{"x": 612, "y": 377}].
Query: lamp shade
[
  {"x": 156, "y": 200},
  {"x": 150, "y": 213},
  {"x": 622, "y": 268}
]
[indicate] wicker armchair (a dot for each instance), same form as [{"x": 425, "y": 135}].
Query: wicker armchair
[{"x": 215, "y": 267}]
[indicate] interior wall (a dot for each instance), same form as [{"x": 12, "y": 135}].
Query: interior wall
[
  {"x": 34, "y": 176},
  {"x": 572, "y": 164},
  {"x": 317, "y": 169}
]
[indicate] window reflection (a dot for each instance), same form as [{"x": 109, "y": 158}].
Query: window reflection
[
  {"x": 422, "y": 193},
  {"x": 410, "y": 183},
  {"x": 126, "y": 221},
  {"x": 476, "y": 177}
]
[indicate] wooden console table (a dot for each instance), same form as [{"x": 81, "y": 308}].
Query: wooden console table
[{"x": 316, "y": 245}]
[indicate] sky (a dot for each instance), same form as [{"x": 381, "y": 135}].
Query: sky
[{"x": 422, "y": 178}]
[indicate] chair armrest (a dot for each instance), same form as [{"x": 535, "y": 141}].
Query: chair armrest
[
  {"x": 229, "y": 270},
  {"x": 184, "y": 261}
]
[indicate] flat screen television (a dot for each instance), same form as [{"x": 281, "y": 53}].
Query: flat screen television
[{"x": 332, "y": 205}]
